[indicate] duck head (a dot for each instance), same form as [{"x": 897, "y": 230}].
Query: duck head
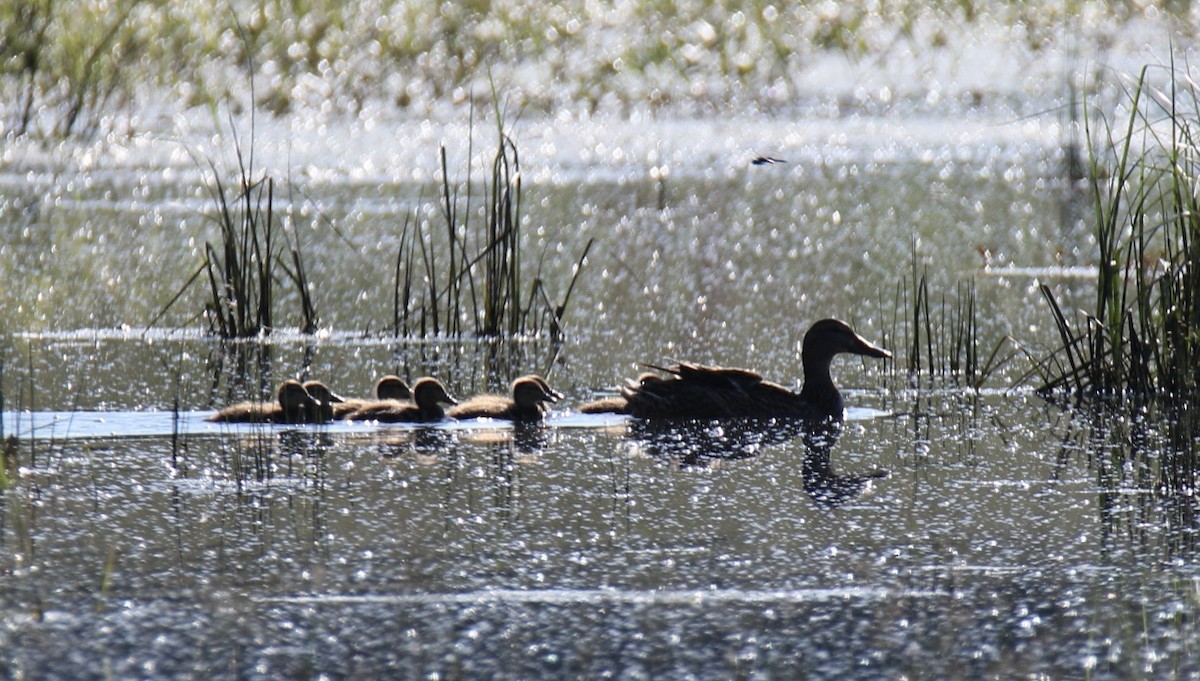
[
  {"x": 392, "y": 388},
  {"x": 825, "y": 340},
  {"x": 429, "y": 393},
  {"x": 830, "y": 337}
]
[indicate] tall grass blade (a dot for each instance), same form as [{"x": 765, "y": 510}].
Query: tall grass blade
[{"x": 1143, "y": 337}]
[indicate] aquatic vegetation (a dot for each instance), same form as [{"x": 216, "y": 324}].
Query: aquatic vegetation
[
  {"x": 943, "y": 339},
  {"x": 78, "y": 65},
  {"x": 483, "y": 265},
  {"x": 1150, "y": 449},
  {"x": 8, "y": 460},
  {"x": 1143, "y": 335},
  {"x": 242, "y": 268}
]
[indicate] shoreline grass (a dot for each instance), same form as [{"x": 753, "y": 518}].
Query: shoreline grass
[
  {"x": 83, "y": 67},
  {"x": 1142, "y": 337}
]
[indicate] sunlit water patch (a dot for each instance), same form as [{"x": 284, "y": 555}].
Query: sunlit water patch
[
  {"x": 934, "y": 531},
  {"x": 940, "y": 531}
]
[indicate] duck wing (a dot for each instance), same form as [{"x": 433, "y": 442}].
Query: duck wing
[
  {"x": 713, "y": 376},
  {"x": 675, "y": 398},
  {"x": 699, "y": 391}
]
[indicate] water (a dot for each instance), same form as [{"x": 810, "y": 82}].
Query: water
[
  {"x": 942, "y": 531},
  {"x": 939, "y": 535}
]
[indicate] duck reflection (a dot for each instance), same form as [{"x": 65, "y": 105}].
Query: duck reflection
[
  {"x": 700, "y": 443},
  {"x": 426, "y": 443},
  {"x": 523, "y": 439},
  {"x": 704, "y": 443},
  {"x": 529, "y": 439},
  {"x": 826, "y": 487}
]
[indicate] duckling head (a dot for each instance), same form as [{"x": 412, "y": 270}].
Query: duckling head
[
  {"x": 295, "y": 400},
  {"x": 429, "y": 392},
  {"x": 325, "y": 398},
  {"x": 529, "y": 392},
  {"x": 320, "y": 391},
  {"x": 392, "y": 388}
]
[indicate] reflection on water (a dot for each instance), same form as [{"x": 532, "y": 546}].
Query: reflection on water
[
  {"x": 1007, "y": 536},
  {"x": 699, "y": 443},
  {"x": 1145, "y": 462},
  {"x": 820, "y": 481},
  {"x": 702, "y": 443}
]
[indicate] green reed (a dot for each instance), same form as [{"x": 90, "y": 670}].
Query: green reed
[
  {"x": 942, "y": 338},
  {"x": 243, "y": 265},
  {"x": 478, "y": 282},
  {"x": 1143, "y": 335}
]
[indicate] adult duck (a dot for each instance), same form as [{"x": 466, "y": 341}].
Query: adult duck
[
  {"x": 705, "y": 392},
  {"x": 387, "y": 388},
  {"x": 530, "y": 394},
  {"x": 292, "y": 404},
  {"x": 428, "y": 397}
]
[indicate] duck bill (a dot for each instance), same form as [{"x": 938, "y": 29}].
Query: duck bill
[
  {"x": 553, "y": 396},
  {"x": 865, "y": 347},
  {"x": 336, "y": 398}
]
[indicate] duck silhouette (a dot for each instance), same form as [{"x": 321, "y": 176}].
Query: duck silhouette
[
  {"x": 706, "y": 392},
  {"x": 527, "y": 402},
  {"x": 292, "y": 404},
  {"x": 428, "y": 397}
]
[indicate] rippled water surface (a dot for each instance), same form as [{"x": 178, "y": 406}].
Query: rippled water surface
[
  {"x": 944, "y": 530},
  {"x": 937, "y": 535}
]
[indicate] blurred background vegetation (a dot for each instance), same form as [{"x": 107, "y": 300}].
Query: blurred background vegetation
[{"x": 72, "y": 67}]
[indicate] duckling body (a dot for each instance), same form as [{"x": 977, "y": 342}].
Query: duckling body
[
  {"x": 387, "y": 388},
  {"x": 292, "y": 404},
  {"x": 428, "y": 397},
  {"x": 527, "y": 403},
  {"x": 607, "y": 405},
  {"x": 617, "y": 404},
  {"x": 706, "y": 392}
]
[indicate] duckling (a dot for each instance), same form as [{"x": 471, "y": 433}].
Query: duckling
[
  {"x": 428, "y": 397},
  {"x": 697, "y": 391},
  {"x": 387, "y": 388},
  {"x": 324, "y": 411},
  {"x": 392, "y": 387},
  {"x": 529, "y": 393},
  {"x": 292, "y": 405}
]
